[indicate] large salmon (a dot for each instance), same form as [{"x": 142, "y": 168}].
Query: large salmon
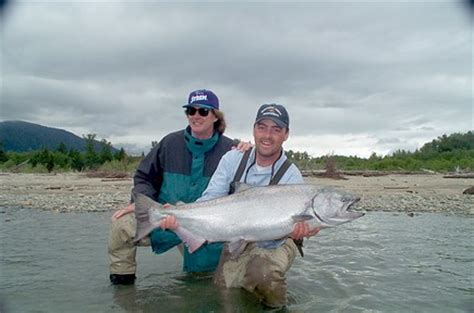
[{"x": 251, "y": 214}]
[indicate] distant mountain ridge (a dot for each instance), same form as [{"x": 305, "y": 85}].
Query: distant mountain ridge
[{"x": 20, "y": 136}]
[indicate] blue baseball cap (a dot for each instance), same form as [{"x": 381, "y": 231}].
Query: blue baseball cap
[
  {"x": 203, "y": 98},
  {"x": 274, "y": 112}
]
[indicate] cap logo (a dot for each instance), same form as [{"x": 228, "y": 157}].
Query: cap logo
[
  {"x": 198, "y": 98},
  {"x": 271, "y": 111}
]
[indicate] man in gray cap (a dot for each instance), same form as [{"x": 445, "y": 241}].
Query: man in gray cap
[{"x": 262, "y": 266}]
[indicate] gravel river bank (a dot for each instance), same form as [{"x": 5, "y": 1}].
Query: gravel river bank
[{"x": 74, "y": 192}]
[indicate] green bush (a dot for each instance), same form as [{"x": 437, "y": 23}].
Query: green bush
[
  {"x": 118, "y": 166},
  {"x": 8, "y": 165}
]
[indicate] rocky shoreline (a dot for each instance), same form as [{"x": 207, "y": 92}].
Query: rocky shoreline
[{"x": 74, "y": 192}]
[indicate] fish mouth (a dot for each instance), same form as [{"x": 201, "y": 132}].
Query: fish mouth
[
  {"x": 353, "y": 205},
  {"x": 352, "y": 210}
]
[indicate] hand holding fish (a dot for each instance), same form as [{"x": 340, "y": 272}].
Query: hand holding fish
[
  {"x": 169, "y": 222},
  {"x": 302, "y": 229}
]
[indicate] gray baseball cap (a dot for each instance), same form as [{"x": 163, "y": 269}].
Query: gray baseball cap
[{"x": 274, "y": 112}]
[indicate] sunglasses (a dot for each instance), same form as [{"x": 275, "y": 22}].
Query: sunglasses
[{"x": 202, "y": 111}]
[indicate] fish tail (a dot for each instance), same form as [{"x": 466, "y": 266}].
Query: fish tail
[
  {"x": 145, "y": 226},
  {"x": 147, "y": 212},
  {"x": 147, "y": 218}
]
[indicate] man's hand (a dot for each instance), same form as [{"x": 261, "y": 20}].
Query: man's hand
[
  {"x": 128, "y": 209},
  {"x": 302, "y": 230},
  {"x": 169, "y": 222}
]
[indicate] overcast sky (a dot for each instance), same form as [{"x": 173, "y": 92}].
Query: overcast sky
[{"x": 356, "y": 76}]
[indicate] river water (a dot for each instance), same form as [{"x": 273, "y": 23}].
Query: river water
[{"x": 383, "y": 262}]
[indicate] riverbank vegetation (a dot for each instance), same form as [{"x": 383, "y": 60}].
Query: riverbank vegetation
[
  {"x": 62, "y": 159},
  {"x": 447, "y": 153},
  {"x": 444, "y": 154}
]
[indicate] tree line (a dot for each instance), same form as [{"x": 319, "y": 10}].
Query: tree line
[
  {"x": 443, "y": 154},
  {"x": 446, "y": 153},
  {"x": 63, "y": 158}
]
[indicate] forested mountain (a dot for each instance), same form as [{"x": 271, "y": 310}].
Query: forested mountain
[{"x": 20, "y": 136}]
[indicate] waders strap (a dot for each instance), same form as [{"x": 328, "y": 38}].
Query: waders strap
[
  {"x": 280, "y": 173},
  {"x": 274, "y": 181},
  {"x": 240, "y": 171}
]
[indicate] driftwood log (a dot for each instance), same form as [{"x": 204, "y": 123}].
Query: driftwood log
[
  {"x": 459, "y": 176},
  {"x": 469, "y": 191}
]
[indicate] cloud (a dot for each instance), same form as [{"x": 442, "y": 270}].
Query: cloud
[{"x": 353, "y": 75}]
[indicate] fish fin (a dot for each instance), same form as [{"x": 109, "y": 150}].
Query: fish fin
[
  {"x": 191, "y": 241},
  {"x": 240, "y": 187},
  {"x": 302, "y": 217},
  {"x": 236, "y": 248},
  {"x": 299, "y": 245}
]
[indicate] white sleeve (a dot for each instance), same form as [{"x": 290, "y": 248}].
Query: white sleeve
[{"x": 223, "y": 176}]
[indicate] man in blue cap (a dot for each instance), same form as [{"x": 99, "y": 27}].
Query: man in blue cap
[{"x": 178, "y": 168}]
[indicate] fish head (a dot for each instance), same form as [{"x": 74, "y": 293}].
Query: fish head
[{"x": 332, "y": 207}]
